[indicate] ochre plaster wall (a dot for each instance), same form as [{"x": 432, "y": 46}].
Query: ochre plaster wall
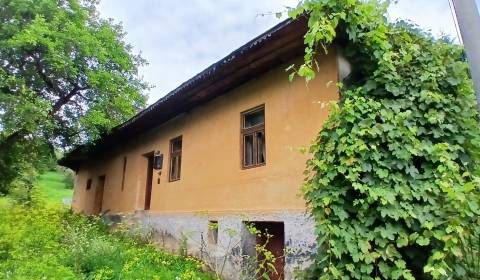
[{"x": 211, "y": 177}]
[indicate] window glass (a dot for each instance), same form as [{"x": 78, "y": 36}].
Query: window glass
[
  {"x": 253, "y": 137},
  {"x": 175, "y": 158},
  {"x": 248, "y": 149},
  {"x": 177, "y": 145},
  {"x": 254, "y": 118},
  {"x": 175, "y": 168},
  {"x": 261, "y": 146}
]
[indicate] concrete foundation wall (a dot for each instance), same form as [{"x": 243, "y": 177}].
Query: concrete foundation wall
[{"x": 186, "y": 231}]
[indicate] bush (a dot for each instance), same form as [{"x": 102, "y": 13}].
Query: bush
[
  {"x": 69, "y": 176},
  {"x": 393, "y": 181},
  {"x": 40, "y": 242},
  {"x": 18, "y": 171},
  {"x": 31, "y": 242},
  {"x": 468, "y": 267}
]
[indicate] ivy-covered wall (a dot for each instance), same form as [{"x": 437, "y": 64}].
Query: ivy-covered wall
[{"x": 393, "y": 177}]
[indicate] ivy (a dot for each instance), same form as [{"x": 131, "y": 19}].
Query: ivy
[{"x": 393, "y": 181}]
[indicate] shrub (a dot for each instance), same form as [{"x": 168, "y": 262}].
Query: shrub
[
  {"x": 50, "y": 242},
  {"x": 393, "y": 181},
  {"x": 468, "y": 267},
  {"x": 30, "y": 239},
  {"x": 69, "y": 176}
]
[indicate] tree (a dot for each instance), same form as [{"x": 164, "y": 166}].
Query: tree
[
  {"x": 66, "y": 77},
  {"x": 393, "y": 182}
]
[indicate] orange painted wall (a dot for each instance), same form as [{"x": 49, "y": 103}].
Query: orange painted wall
[{"x": 212, "y": 178}]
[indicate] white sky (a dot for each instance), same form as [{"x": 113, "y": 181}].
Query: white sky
[{"x": 181, "y": 38}]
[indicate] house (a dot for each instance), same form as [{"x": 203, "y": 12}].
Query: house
[{"x": 219, "y": 153}]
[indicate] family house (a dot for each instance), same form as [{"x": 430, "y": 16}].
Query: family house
[{"x": 222, "y": 149}]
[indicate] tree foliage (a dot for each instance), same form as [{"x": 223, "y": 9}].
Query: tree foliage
[
  {"x": 393, "y": 180},
  {"x": 66, "y": 76}
]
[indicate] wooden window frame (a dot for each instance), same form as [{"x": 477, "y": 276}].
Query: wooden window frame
[
  {"x": 172, "y": 155},
  {"x": 252, "y": 131},
  {"x": 89, "y": 184}
]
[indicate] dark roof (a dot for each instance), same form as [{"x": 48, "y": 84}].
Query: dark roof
[{"x": 272, "y": 48}]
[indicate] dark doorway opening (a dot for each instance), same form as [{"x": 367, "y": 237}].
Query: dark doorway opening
[
  {"x": 272, "y": 236},
  {"x": 148, "y": 186},
  {"x": 98, "y": 204}
]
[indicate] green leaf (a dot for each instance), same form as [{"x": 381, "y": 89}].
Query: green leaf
[
  {"x": 423, "y": 241},
  {"x": 398, "y": 157},
  {"x": 291, "y": 76},
  {"x": 402, "y": 241},
  {"x": 306, "y": 72}
]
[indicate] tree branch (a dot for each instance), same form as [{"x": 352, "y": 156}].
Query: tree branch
[
  {"x": 84, "y": 97},
  {"x": 41, "y": 72},
  {"x": 66, "y": 98}
]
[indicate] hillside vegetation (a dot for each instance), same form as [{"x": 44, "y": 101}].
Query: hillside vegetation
[
  {"x": 45, "y": 240},
  {"x": 53, "y": 188}
]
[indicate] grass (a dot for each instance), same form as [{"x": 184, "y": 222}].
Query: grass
[
  {"x": 45, "y": 240},
  {"x": 52, "y": 187}
]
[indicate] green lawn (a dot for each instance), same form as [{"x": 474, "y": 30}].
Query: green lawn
[{"x": 52, "y": 187}]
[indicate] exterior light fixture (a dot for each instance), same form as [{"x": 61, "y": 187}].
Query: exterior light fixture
[{"x": 157, "y": 161}]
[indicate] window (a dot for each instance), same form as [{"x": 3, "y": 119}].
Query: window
[
  {"x": 213, "y": 232},
  {"x": 123, "y": 172},
  {"x": 175, "y": 158},
  {"x": 89, "y": 184},
  {"x": 253, "y": 137}
]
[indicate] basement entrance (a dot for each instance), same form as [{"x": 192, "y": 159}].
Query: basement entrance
[{"x": 272, "y": 237}]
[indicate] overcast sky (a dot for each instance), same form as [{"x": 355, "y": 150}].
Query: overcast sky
[{"x": 181, "y": 38}]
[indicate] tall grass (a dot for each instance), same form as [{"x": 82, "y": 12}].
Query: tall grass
[{"x": 50, "y": 242}]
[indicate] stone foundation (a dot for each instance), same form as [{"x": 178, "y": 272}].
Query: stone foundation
[{"x": 234, "y": 251}]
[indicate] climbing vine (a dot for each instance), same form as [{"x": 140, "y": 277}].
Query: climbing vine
[{"x": 393, "y": 181}]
